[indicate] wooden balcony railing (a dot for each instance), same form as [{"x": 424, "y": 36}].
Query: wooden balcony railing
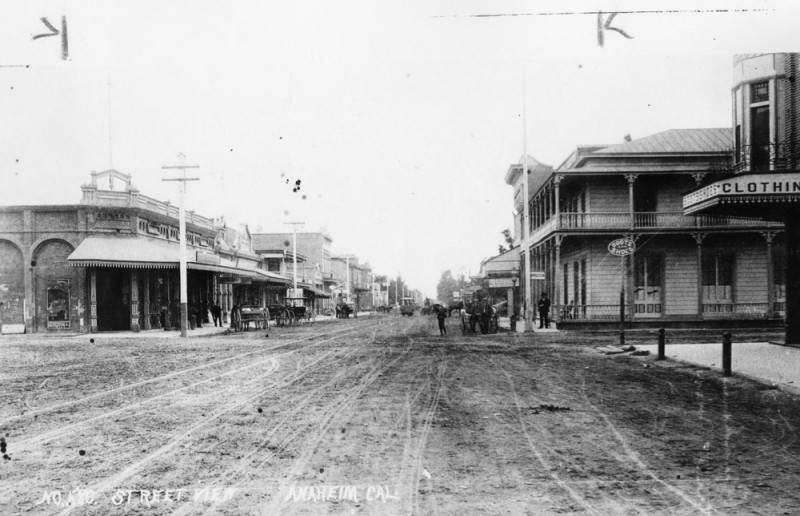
[
  {"x": 735, "y": 310},
  {"x": 652, "y": 220},
  {"x": 750, "y": 311}
]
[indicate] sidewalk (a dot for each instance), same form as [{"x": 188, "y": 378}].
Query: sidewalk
[
  {"x": 205, "y": 331},
  {"x": 762, "y": 361}
]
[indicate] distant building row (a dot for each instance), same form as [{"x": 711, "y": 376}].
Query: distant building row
[{"x": 110, "y": 262}]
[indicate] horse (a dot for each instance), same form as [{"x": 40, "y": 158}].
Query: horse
[{"x": 455, "y": 305}]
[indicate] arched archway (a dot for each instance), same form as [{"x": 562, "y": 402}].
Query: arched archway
[
  {"x": 56, "y": 285},
  {"x": 12, "y": 284}
]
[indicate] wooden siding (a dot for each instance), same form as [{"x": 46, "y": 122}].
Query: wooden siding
[
  {"x": 609, "y": 194},
  {"x": 680, "y": 278},
  {"x": 604, "y": 275},
  {"x": 750, "y": 281},
  {"x": 671, "y": 190},
  {"x": 680, "y": 271}
]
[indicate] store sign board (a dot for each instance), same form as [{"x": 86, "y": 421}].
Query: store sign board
[
  {"x": 537, "y": 275},
  {"x": 207, "y": 258},
  {"x": 621, "y": 247},
  {"x": 501, "y": 282},
  {"x": 746, "y": 185}
]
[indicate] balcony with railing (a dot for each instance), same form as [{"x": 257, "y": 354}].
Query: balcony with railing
[
  {"x": 711, "y": 311},
  {"x": 653, "y": 220},
  {"x": 764, "y": 158}
]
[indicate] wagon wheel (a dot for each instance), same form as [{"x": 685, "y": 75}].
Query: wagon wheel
[
  {"x": 493, "y": 325},
  {"x": 282, "y": 317},
  {"x": 291, "y": 319}
]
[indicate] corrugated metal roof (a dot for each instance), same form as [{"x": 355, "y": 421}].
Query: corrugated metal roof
[{"x": 712, "y": 140}]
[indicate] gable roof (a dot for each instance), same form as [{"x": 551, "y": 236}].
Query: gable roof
[{"x": 679, "y": 141}]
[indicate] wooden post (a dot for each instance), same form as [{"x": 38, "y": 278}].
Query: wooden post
[
  {"x": 769, "y": 236},
  {"x": 93, "y": 300},
  {"x": 726, "y": 354},
  {"x": 134, "y": 300},
  {"x": 146, "y": 299},
  {"x": 662, "y": 341},
  {"x": 622, "y": 303},
  {"x": 698, "y": 238}
]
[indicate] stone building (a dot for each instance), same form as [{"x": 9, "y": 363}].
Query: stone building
[{"x": 110, "y": 262}]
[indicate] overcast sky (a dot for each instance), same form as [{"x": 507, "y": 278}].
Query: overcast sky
[{"x": 400, "y": 118}]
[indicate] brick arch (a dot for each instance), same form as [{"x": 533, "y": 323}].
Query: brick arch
[
  {"x": 53, "y": 277},
  {"x": 39, "y": 244},
  {"x": 12, "y": 282}
]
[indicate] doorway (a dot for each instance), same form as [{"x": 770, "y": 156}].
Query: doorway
[{"x": 113, "y": 300}]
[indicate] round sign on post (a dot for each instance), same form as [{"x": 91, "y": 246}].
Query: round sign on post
[{"x": 621, "y": 247}]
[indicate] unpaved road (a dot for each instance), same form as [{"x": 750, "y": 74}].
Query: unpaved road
[{"x": 381, "y": 416}]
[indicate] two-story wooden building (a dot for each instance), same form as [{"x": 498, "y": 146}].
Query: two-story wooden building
[{"x": 686, "y": 269}]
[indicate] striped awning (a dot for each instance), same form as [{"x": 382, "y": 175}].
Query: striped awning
[
  {"x": 150, "y": 253},
  {"x": 124, "y": 252}
]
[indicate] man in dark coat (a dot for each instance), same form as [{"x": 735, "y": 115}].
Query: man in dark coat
[
  {"x": 441, "y": 313},
  {"x": 216, "y": 314},
  {"x": 544, "y": 311}
]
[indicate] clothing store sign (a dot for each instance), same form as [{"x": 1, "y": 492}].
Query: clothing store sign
[{"x": 746, "y": 185}]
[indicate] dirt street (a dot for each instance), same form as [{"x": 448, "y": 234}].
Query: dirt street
[{"x": 380, "y": 415}]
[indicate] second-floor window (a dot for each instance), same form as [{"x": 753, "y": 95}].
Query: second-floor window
[{"x": 759, "y": 92}]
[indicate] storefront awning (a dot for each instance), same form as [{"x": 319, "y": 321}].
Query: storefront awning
[
  {"x": 317, "y": 292},
  {"x": 150, "y": 253},
  {"x": 124, "y": 252}
]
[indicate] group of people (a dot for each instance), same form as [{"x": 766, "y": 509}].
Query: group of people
[
  {"x": 198, "y": 314},
  {"x": 543, "y": 307}
]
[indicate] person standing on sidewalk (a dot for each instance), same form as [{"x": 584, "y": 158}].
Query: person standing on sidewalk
[
  {"x": 440, "y": 315},
  {"x": 544, "y": 311}
]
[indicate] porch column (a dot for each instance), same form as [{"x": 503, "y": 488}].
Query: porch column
[
  {"x": 146, "y": 299},
  {"x": 558, "y": 278},
  {"x": 557, "y": 198},
  {"x": 631, "y": 179},
  {"x": 792, "y": 278},
  {"x": 698, "y": 238},
  {"x": 134, "y": 300},
  {"x": 769, "y": 236},
  {"x": 93, "y": 300},
  {"x": 630, "y": 267}
]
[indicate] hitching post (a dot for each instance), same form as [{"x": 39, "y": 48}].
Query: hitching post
[
  {"x": 662, "y": 340},
  {"x": 726, "y": 354}
]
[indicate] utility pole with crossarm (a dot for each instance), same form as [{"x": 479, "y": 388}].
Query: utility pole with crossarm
[{"x": 182, "y": 166}]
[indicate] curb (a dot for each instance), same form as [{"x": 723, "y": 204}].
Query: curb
[{"x": 783, "y": 387}]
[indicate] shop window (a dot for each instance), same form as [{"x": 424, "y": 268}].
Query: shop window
[
  {"x": 779, "y": 274},
  {"x": 648, "y": 281},
  {"x": 58, "y": 305},
  {"x": 718, "y": 278}
]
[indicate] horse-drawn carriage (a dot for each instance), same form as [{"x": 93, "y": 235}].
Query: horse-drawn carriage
[
  {"x": 343, "y": 310},
  {"x": 242, "y": 317},
  {"x": 291, "y": 312}
]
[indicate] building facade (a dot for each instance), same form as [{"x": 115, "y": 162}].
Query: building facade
[
  {"x": 693, "y": 268},
  {"x": 761, "y": 177},
  {"x": 110, "y": 263}
]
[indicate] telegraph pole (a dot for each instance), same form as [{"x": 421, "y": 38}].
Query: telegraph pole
[
  {"x": 526, "y": 212},
  {"x": 182, "y": 166},
  {"x": 294, "y": 258}
]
